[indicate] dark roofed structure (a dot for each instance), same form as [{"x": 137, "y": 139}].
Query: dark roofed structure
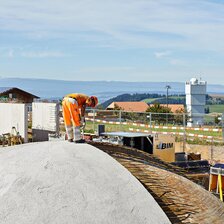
[{"x": 16, "y": 95}]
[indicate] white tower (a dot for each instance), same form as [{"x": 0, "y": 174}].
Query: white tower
[{"x": 195, "y": 91}]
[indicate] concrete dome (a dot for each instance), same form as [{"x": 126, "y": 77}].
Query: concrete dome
[{"x": 60, "y": 182}]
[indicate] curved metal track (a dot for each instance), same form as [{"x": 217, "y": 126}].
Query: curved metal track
[{"x": 181, "y": 199}]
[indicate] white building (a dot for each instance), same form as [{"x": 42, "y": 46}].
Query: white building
[{"x": 195, "y": 91}]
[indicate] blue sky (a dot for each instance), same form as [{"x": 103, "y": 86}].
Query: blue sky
[{"x": 123, "y": 40}]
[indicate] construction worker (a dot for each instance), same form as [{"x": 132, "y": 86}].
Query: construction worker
[{"x": 73, "y": 108}]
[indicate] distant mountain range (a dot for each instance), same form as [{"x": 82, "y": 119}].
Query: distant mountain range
[{"x": 56, "y": 89}]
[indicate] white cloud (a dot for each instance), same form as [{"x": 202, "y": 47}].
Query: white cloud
[
  {"x": 178, "y": 62},
  {"x": 10, "y": 53},
  {"x": 105, "y": 70},
  {"x": 162, "y": 54},
  {"x": 163, "y": 23},
  {"x": 7, "y": 53},
  {"x": 42, "y": 54}
]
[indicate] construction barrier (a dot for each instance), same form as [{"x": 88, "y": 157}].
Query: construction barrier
[
  {"x": 165, "y": 128},
  {"x": 156, "y": 126},
  {"x": 174, "y": 133},
  {"x": 216, "y": 180}
]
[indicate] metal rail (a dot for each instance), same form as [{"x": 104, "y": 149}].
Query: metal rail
[{"x": 181, "y": 199}]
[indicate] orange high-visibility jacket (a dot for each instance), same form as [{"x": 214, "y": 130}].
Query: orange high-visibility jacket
[
  {"x": 72, "y": 112},
  {"x": 80, "y": 98}
]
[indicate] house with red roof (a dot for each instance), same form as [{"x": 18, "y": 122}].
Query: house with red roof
[{"x": 129, "y": 106}]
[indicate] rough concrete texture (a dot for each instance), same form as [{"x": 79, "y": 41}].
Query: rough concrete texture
[{"x": 61, "y": 182}]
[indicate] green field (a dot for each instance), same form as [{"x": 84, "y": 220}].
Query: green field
[
  {"x": 217, "y": 108},
  {"x": 118, "y": 127},
  {"x": 152, "y": 100}
]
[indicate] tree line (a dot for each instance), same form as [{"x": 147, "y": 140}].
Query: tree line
[{"x": 159, "y": 98}]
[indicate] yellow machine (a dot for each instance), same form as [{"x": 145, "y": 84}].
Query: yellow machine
[{"x": 164, "y": 147}]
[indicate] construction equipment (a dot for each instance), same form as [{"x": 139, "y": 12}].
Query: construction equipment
[
  {"x": 159, "y": 145},
  {"x": 12, "y": 138},
  {"x": 216, "y": 180}
]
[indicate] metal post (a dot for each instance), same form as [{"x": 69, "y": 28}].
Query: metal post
[
  {"x": 167, "y": 96},
  {"x": 222, "y": 127},
  {"x": 220, "y": 184},
  {"x": 212, "y": 151},
  {"x": 93, "y": 120},
  {"x": 120, "y": 118},
  {"x": 167, "y": 89},
  {"x": 150, "y": 121},
  {"x": 184, "y": 124}
]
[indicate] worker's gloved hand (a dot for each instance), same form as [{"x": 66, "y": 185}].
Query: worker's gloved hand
[{"x": 82, "y": 122}]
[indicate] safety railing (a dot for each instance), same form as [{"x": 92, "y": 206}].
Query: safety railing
[{"x": 209, "y": 128}]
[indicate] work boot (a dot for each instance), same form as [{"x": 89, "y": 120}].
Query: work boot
[
  {"x": 80, "y": 141},
  {"x": 70, "y": 140}
]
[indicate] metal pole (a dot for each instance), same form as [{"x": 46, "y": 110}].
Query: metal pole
[
  {"x": 93, "y": 120},
  {"x": 212, "y": 150},
  {"x": 184, "y": 124},
  {"x": 150, "y": 121},
  {"x": 167, "y": 89},
  {"x": 167, "y": 96},
  {"x": 120, "y": 118},
  {"x": 167, "y": 105},
  {"x": 222, "y": 127}
]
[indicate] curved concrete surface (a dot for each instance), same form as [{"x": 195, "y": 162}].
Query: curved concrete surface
[{"x": 60, "y": 182}]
